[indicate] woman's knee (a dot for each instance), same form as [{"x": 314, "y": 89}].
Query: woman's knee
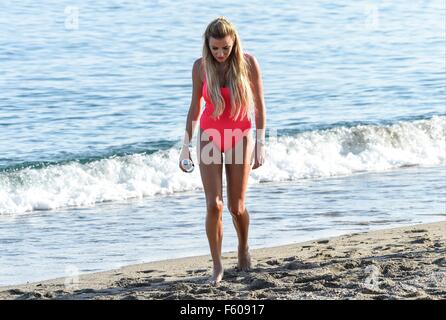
[
  {"x": 215, "y": 206},
  {"x": 237, "y": 209}
]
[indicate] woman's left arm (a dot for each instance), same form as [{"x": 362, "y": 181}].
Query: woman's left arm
[{"x": 260, "y": 112}]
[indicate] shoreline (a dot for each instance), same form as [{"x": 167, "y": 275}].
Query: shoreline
[{"x": 397, "y": 263}]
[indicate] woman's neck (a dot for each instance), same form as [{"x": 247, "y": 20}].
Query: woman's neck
[{"x": 223, "y": 67}]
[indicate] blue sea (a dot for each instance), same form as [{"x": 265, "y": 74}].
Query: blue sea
[{"x": 93, "y": 103}]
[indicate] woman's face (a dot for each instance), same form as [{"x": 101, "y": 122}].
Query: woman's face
[{"x": 221, "y": 48}]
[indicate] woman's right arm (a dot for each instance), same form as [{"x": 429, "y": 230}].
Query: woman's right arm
[{"x": 194, "y": 109}]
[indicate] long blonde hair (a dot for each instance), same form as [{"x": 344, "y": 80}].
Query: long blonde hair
[{"x": 237, "y": 72}]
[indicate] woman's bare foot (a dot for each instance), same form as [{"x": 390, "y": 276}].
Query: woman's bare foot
[
  {"x": 217, "y": 273},
  {"x": 244, "y": 259}
]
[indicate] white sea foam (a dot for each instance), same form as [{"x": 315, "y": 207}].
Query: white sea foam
[
  {"x": 363, "y": 148},
  {"x": 323, "y": 153}
]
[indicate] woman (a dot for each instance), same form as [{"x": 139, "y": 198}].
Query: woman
[{"x": 230, "y": 82}]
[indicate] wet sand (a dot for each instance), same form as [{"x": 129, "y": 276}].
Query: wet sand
[{"x": 399, "y": 263}]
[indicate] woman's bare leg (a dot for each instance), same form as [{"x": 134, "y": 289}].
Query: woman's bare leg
[
  {"x": 237, "y": 174},
  {"x": 211, "y": 176}
]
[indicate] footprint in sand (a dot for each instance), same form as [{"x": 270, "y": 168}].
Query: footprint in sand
[
  {"x": 438, "y": 244},
  {"x": 182, "y": 287},
  {"x": 416, "y": 231},
  {"x": 351, "y": 264},
  {"x": 203, "y": 290},
  {"x": 289, "y": 259},
  {"x": 16, "y": 291},
  {"x": 197, "y": 271},
  {"x": 263, "y": 282},
  {"x": 273, "y": 262},
  {"x": 146, "y": 271},
  {"x": 155, "y": 280},
  {"x": 440, "y": 262},
  {"x": 296, "y": 265},
  {"x": 420, "y": 241}
]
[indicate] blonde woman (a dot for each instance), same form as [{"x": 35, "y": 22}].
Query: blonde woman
[{"x": 230, "y": 83}]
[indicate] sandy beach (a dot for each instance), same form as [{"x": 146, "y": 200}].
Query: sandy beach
[{"x": 399, "y": 263}]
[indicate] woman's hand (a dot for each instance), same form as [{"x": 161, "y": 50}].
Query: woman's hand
[
  {"x": 184, "y": 154},
  {"x": 259, "y": 155}
]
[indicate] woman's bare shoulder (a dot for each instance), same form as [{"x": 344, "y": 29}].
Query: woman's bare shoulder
[
  {"x": 249, "y": 57},
  {"x": 253, "y": 64},
  {"x": 198, "y": 67}
]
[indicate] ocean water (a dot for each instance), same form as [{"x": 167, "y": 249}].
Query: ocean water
[{"x": 93, "y": 104}]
